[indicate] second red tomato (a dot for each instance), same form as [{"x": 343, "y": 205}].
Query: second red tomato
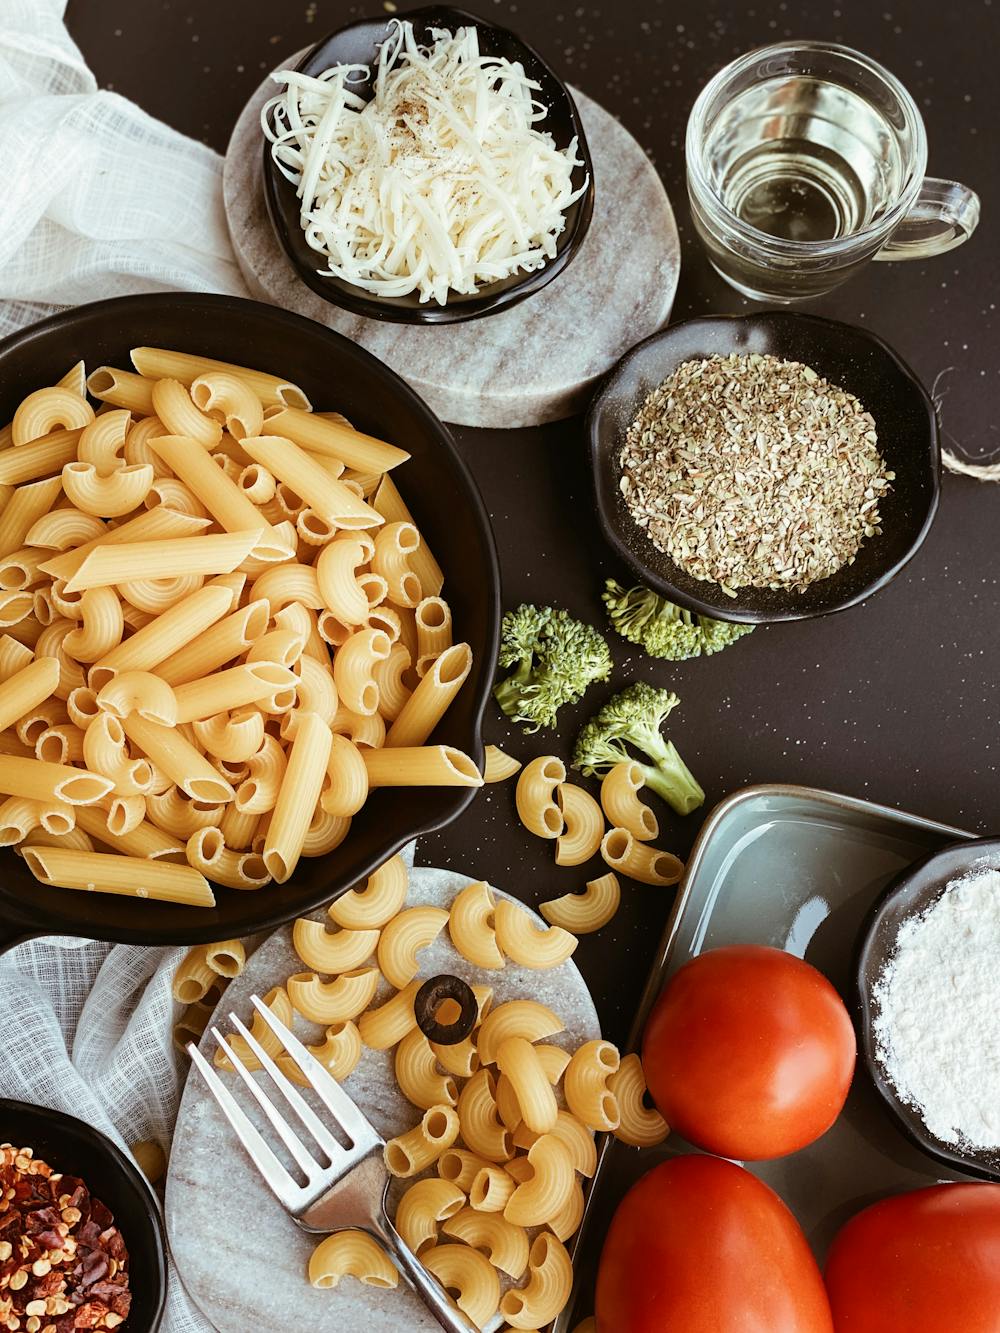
[{"x": 749, "y": 1052}]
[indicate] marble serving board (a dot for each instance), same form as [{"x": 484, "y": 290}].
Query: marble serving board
[
  {"x": 241, "y": 1258},
  {"x": 539, "y": 360}
]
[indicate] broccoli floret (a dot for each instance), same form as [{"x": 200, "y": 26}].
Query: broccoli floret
[
  {"x": 554, "y": 658},
  {"x": 663, "y": 629},
  {"x": 635, "y": 717}
]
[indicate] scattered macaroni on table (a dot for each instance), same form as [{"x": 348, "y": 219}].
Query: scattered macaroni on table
[{"x": 221, "y": 629}]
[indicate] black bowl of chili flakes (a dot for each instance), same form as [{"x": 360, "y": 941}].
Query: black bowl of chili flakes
[{"x": 84, "y": 1246}]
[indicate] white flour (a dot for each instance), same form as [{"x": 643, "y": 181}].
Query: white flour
[{"x": 938, "y": 1030}]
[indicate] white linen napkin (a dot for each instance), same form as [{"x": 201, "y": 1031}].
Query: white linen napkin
[
  {"x": 86, "y": 1028},
  {"x": 98, "y": 200}
]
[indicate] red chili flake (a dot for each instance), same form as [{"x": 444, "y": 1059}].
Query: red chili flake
[{"x": 58, "y": 1246}]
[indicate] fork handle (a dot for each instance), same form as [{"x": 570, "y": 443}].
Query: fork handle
[{"x": 433, "y": 1295}]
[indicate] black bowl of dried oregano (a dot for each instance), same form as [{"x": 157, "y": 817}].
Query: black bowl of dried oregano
[{"x": 764, "y": 467}]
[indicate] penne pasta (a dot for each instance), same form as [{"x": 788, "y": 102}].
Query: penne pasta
[
  {"x": 328, "y": 497},
  {"x": 170, "y": 750},
  {"x": 223, "y": 499},
  {"x": 421, "y": 766},
  {"x": 159, "y": 363},
  {"x": 431, "y": 699},
  {"x": 223, "y": 641},
  {"x": 245, "y": 684},
  {"x": 216, "y": 554},
  {"x": 41, "y": 458},
  {"x": 46, "y": 782},
  {"x": 122, "y": 389},
  {"x": 297, "y": 797},
  {"x": 23, "y": 509},
  {"x": 333, "y": 439},
  {"x": 26, "y": 688},
  {"x": 153, "y": 525},
  {"x": 67, "y": 868}
]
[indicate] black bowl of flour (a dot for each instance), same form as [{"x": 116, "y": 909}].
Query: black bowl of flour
[{"x": 911, "y": 896}]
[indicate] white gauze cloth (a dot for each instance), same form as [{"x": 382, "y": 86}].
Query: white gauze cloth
[{"x": 98, "y": 200}]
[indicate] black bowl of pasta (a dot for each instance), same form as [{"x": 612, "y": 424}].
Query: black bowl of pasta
[
  {"x": 206, "y": 668},
  {"x": 398, "y": 258}
]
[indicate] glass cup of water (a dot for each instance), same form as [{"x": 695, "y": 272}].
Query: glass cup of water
[{"x": 804, "y": 161}]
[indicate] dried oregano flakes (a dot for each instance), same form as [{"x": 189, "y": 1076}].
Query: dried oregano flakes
[{"x": 751, "y": 471}]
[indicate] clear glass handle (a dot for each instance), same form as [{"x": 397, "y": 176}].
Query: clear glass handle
[{"x": 945, "y": 214}]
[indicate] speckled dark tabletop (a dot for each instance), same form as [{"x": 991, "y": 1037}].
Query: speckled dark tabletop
[{"x": 896, "y": 701}]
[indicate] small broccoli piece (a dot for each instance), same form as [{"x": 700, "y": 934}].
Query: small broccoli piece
[
  {"x": 663, "y": 629},
  {"x": 554, "y": 658},
  {"x": 635, "y": 717}
]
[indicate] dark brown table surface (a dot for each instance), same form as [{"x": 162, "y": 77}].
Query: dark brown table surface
[{"x": 895, "y": 701}]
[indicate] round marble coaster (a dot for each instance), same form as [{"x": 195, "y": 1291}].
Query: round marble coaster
[
  {"x": 241, "y": 1258},
  {"x": 533, "y": 363}
]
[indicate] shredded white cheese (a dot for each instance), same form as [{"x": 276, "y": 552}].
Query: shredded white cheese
[{"x": 441, "y": 182}]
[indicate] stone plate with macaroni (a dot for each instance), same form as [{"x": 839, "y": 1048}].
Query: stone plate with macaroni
[{"x": 214, "y": 1193}]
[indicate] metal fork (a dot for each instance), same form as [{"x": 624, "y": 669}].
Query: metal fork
[{"x": 351, "y": 1192}]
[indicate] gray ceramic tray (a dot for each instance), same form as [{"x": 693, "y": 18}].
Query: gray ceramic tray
[{"x": 799, "y": 869}]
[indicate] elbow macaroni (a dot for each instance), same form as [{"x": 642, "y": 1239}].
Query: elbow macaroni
[
  {"x": 420, "y": 1147},
  {"x": 588, "y": 911},
  {"x": 472, "y": 929},
  {"x": 351, "y": 1254},
  {"x": 639, "y": 1126},
  {"x": 638, "y": 860},
  {"x": 537, "y": 807},
  {"x": 422, "y": 1207},
  {"x": 586, "y": 1085},
  {"x": 583, "y": 825},
  {"x": 404, "y": 936},
  {"x": 527, "y": 944},
  {"x": 620, "y": 800}
]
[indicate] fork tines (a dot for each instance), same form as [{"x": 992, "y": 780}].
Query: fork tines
[{"x": 355, "y": 1126}]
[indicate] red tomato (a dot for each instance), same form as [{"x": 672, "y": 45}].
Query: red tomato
[
  {"x": 924, "y": 1262},
  {"x": 749, "y": 1052},
  {"x": 701, "y": 1246}
]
